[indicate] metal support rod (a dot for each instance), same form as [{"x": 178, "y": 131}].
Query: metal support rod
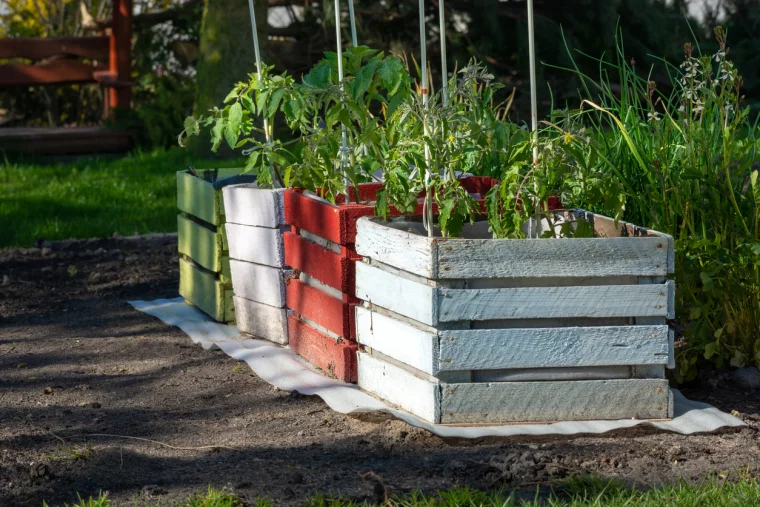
[
  {"x": 353, "y": 22},
  {"x": 423, "y": 61},
  {"x": 344, "y": 142},
  {"x": 267, "y": 130},
  {"x": 533, "y": 102},
  {"x": 444, "y": 65}
]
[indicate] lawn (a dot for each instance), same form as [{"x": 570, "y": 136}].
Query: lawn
[
  {"x": 575, "y": 492},
  {"x": 92, "y": 197}
]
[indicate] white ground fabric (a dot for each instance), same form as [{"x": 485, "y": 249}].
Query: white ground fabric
[{"x": 281, "y": 367}]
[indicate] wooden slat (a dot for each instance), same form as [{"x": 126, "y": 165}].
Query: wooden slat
[
  {"x": 396, "y": 293},
  {"x": 337, "y": 270},
  {"x": 197, "y": 197},
  {"x": 63, "y": 141},
  {"x": 399, "y": 387},
  {"x": 396, "y": 247},
  {"x": 336, "y": 357},
  {"x": 488, "y": 349},
  {"x": 206, "y": 292},
  {"x": 321, "y": 308},
  {"x": 49, "y": 73},
  {"x": 432, "y": 351},
  {"x": 200, "y": 243},
  {"x": 94, "y": 48},
  {"x": 502, "y": 402},
  {"x": 411, "y": 345},
  {"x": 261, "y": 321},
  {"x": 260, "y": 245},
  {"x": 263, "y": 284},
  {"x": 555, "y": 302},
  {"x": 247, "y": 205},
  {"x": 458, "y": 258}
]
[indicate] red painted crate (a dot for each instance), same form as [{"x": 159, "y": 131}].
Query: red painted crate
[{"x": 321, "y": 246}]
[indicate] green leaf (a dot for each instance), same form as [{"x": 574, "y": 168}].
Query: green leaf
[
  {"x": 707, "y": 282},
  {"x": 694, "y": 313},
  {"x": 252, "y": 161},
  {"x": 230, "y": 136},
  {"x": 217, "y": 131},
  {"x": 247, "y": 103},
  {"x": 191, "y": 125},
  {"x": 274, "y": 102},
  {"x": 710, "y": 350},
  {"x": 231, "y": 95},
  {"x": 235, "y": 118}
]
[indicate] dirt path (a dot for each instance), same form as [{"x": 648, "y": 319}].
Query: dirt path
[{"x": 76, "y": 360}]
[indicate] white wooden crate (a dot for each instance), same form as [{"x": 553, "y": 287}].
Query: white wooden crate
[
  {"x": 479, "y": 330},
  {"x": 255, "y": 223}
]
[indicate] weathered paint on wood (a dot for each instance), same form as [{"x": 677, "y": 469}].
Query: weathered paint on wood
[
  {"x": 248, "y": 205},
  {"x": 432, "y": 351},
  {"x": 486, "y": 349},
  {"x": 555, "y": 302},
  {"x": 260, "y": 283},
  {"x": 197, "y": 197},
  {"x": 336, "y": 357},
  {"x": 411, "y": 345},
  {"x": 202, "y": 244},
  {"x": 261, "y": 245},
  {"x": 400, "y": 387},
  {"x": 321, "y": 308},
  {"x": 432, "y": 305},
  {"x": 261, "y": 320},
  {"x": 336, "y": 270},
  {"x": 501, "y": 402},
  {"x": 457, "y": 258},
  {"x": 396, "y": 293},
  {"x": 205, "y": 291}
]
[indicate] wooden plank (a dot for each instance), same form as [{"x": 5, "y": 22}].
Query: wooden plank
[
  {"x": 414, "y": 346},
  {"x": 567, "y": 374},
  {"x": 248, "y": 205},
  {"x": 32, "y": 48},
  {"x": 197, "y": 197},
  {"x": 321, "y": 308},
  {"x": 583, "y": 257},
  {"x": 204, "y": 291},
  {"x": 487, "y": 349},
  {"x": 336, "y": 357},
  {"x": 201, "y": 244},
  {"x": 261, "y": 320},
  {"x": 551, "y": 302},
  {"x": 260, "y": 245},
  {"x": 263, "y": 284},
  {"x": 336, "y": 270},
  {"x": 502, "y": 402},
  {"x": 63, "y": 141},
  {"x": 399, "y": 387},
  {"x": 395, "y": 247},
  {"x": 48, "y": 73},
  {"x": 396, "y": 293}
]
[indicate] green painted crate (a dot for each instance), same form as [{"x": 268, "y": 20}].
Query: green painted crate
[{"x": 204, "y": 277}]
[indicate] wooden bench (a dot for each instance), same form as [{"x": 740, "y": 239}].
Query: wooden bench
[{"x": 105, "y": 60}]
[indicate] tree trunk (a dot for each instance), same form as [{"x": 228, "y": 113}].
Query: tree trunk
[{"x": 226, "y": 57}]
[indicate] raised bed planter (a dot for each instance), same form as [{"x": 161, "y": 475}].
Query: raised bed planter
[
  {"x": 255, "y": 218},
  {"x": 320, "y": 248},
  {"x": 204, "y": 276},
  {"x": 493, "y": 331}
]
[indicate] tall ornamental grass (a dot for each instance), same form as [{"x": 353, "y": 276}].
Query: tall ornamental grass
[{"x": 687, "y": 158}]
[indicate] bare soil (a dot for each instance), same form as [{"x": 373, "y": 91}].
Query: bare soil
[{"x": 84, "y": 377}]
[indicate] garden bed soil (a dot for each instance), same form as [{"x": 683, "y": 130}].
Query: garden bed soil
[{"x": 77, "y": 360}]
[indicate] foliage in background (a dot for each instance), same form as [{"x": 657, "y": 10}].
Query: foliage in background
[{"x": 688, "y": 161}]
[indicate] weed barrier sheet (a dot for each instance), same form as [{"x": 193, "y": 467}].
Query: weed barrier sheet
[{"x": 281, "y": 367}]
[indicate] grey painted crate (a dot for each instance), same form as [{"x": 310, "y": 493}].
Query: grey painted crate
[
  {"x": 480, "y": 330},
  {"x": 255, "y": 222}
]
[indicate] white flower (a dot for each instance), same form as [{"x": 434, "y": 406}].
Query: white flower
[
  {"x": 655, "y": 116},
  {"x": 720, "y": 55}
]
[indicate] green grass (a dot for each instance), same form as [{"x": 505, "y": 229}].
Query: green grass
[
  {"x": 575, "y": 492},
  {"x": 92, "y": 197}
]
